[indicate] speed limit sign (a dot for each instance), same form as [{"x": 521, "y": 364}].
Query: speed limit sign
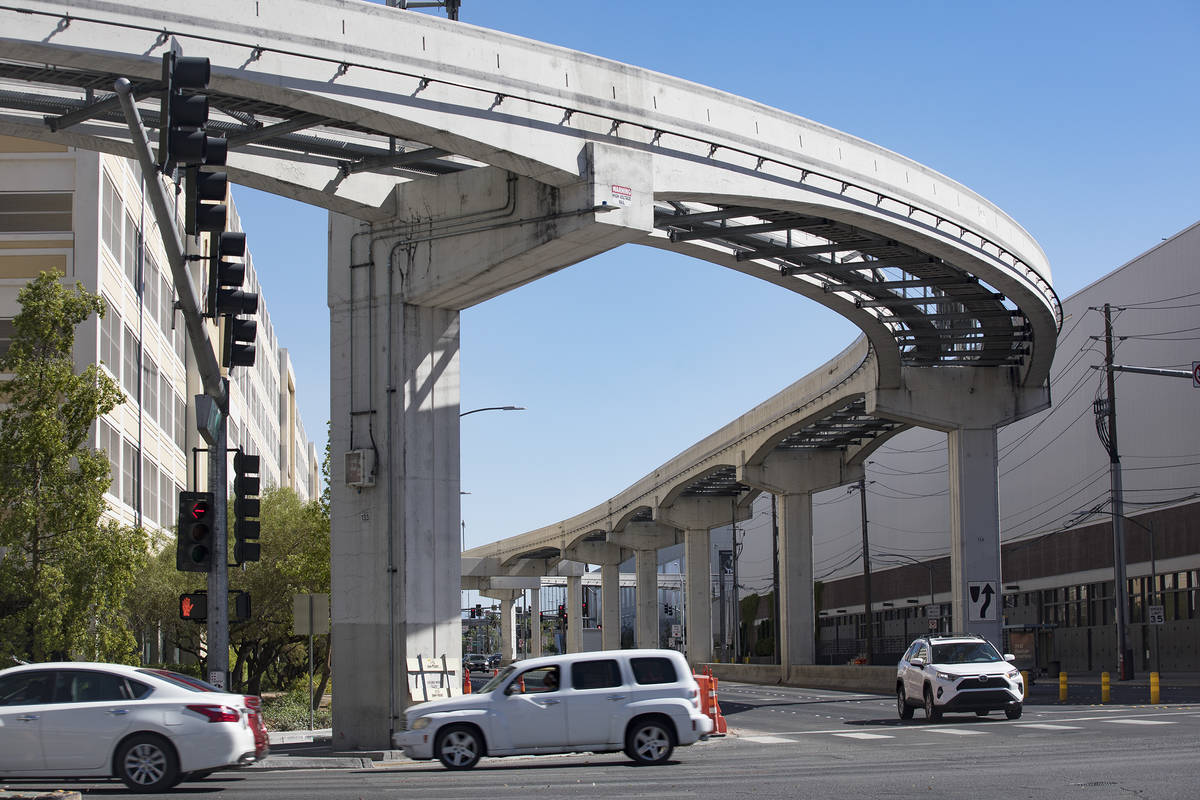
[{"x": 1196, "y": 374}]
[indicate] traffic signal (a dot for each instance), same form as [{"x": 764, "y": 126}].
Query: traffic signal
[
  {"x": 194, "y": 606},
  {"x": 245, "y": 508},
  {"x": 183, "y": 113},
  {"x": 194, "y": 532},
  {"x": 562, "y": 612},
  {"x": 204, "y": 191},
  {"x": 240, "y": 606}
]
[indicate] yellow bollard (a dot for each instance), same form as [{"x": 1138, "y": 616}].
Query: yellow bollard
[
  {"x": 1062, "y": 686},
  {"x": 1105, "y": 687},
  {"x": 1154, "y": 700},
  {"x": 1024, "y": 683}
]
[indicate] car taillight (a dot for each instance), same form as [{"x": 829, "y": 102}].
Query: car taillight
[
  {"x": 217, "y": 713},
  {"x": 695, "y": 693},
  {"x": 252, "y": 701}
]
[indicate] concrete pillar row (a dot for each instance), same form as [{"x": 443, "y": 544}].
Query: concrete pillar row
[
  {"x": 508, "y": 629},
  {"x": 535, "y": 623},
  {"x": 793, "y": 477},
  {"x": 610, "y": 606},
  {"x": 975, "y": 577},
  {"x": 574, "y": 635},
  {"x": 646, "y": 573},
  {"x": 696, "y": 517}
]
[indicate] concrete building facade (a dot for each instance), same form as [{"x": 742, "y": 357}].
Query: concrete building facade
[{"x": 83, "y": 213}]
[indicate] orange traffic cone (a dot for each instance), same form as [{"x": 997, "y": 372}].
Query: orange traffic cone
[{"x": 466, "y": 681}]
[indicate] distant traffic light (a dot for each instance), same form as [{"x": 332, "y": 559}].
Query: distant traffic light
[
  {"x": 246, "y": 508},
  {"x": 194, "y": 606},
  {"x": 478, "y": 611},
  {"x": 240, "y": 606},
  {"x": 194, "y": 534}
]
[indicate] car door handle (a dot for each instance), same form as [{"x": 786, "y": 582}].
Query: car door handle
[
  {"x": 546, "y": 702},
  {"x": 616, "y": 697},
  {"x": 117, "y": 712},
  {"x": 28, "y": 718}
]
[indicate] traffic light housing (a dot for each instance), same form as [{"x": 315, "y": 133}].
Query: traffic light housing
[
  {"x": 194, "y": 606},
  {"x": 231, "y": 302},
  {"x": 183, "y": 113},
  {"x": 194, "y": 532},
  {"x": 246, "y": 508},
  {"x": 240, "y": 606}
]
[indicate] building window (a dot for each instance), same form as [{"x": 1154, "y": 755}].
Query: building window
[
  {"x": 180, "y": 422},
  {"x": 150, "y": 388},
  {"x": 129, "y": 256},
  {"x": 35, "y": 212},
  {"x": 164, "y": 402},
  {"x": 129, "y": 465},
  {"x": 7, "y": 330},
  {"x": 110, "y": 442},
  {"x": 129, "y": 371},
  {"x": 110, "y": 223},
  {"x": 110, "y": 338},
  {"x": 149, "y": 491}
]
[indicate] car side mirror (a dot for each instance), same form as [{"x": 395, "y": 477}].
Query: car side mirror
[
  {"x": 917, "y": 661},
  {"x": 1009, "y": 657},
  {"x": 511, "y": 689}
]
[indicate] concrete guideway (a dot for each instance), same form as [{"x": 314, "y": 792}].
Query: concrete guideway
[{"x": 461, "y": 163}]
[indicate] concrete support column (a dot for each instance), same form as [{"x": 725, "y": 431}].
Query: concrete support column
[
  {"x": 797, "y": 634},
  {"x": 574, "y": 635},
  {"x": 975, "y": 579},
  {"x": 698, "y": 600},
  {"x": 646, "y": 570},
  {"x": 395, "y": 561},
  {"x": 535, "y": 623},
  {"x": 610, "y": 606},
  {"x": 508, "y": 629}
]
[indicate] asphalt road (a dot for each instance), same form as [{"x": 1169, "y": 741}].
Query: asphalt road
[{"x": 799, "y": 743}]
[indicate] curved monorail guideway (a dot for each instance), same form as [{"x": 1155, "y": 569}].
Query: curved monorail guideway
[{"x": 459, "y": 163}]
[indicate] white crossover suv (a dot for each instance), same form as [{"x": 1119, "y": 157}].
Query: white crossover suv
[
  {"x": 644, "y": 702},
  {"x": 957, "y": 672}
]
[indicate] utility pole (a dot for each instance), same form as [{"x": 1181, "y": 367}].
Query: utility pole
[
  {"x": 866, "y": 559},
  {"x": 1106, "y": 426}
]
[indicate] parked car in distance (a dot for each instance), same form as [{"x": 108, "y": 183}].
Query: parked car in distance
[
  {"x": 642, "y": 702},
  {"x": 88, "y": 720},
  {"x": 957, "y": 672},
  {"x": 494, "y": 661},
  {"x": 475, "y": 661}
]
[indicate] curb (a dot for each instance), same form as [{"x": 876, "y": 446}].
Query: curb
[{"x": 58, "y": 795}]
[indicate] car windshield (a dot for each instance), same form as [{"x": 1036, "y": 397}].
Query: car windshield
[
  {"x": 496, "y": 680},
  {"x": 965, "y": 653}
]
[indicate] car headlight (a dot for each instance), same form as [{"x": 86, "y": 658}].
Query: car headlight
[
  {"x": 419, "y": 723},
  {"x": 1012, "y": 673},
  {"x": 947, "y": 676}
]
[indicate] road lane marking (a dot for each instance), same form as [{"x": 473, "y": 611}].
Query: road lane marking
[
  {"x": 957, "y": 731},
  {"x": 863, "y": 735},
  {"x": 1045, "y": 726},
  {"x": 1140, "y": 721},
  {"x": 767, "y": 739}
]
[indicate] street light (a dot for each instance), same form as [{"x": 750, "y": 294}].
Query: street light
[
  {"x": 493, "y": 408},
  {"x": 918, "y": 563}
]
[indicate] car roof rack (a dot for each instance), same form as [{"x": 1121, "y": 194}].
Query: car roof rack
[{"x": 954, "y": 636}]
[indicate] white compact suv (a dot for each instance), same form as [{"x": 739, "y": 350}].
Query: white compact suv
[
  {"x": 644, "y": 702},
  {"x": 957, "y": 672}
]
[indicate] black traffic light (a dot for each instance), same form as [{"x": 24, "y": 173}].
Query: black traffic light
[
  {"x": 204, "y": 193},
  {"x": 193, "y": 606},
  {"x": 194, "y": 534},
  {"x": 245, "y": 508},
  {"x": 562, "y": 612},
  {"x": 183, "y": 113},
  {"x": 240, "y": 606}
]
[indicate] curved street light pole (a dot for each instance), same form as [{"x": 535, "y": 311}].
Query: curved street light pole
[{"x": 492, "y": 408}]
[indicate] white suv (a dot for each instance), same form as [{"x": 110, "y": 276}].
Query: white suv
[
  {"x": 644, "y": 702},
  {"x": 957, "y": 672}
]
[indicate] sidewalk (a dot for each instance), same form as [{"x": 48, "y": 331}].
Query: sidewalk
[
  {"x": 1083, "y": 688},
  {"x": 314, "y": 750}
]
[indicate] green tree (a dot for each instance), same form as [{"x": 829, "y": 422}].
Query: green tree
[
  {"x": 65, "y": 572},
  {"x": 295, "y": 560}
]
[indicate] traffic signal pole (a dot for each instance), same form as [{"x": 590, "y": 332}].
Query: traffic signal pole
[
  {"x": 218, "y": 576},
  {"x": 215, "y": 386}
]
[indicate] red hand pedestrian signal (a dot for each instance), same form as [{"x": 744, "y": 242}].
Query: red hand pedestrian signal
[{"x": 193, "y": 606}]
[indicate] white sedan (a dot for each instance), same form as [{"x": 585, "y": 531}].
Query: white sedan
[{"x": 76, "y": 720}]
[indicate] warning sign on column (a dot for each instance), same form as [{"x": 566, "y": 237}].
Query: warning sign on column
[{"x": 982, "y": 603}]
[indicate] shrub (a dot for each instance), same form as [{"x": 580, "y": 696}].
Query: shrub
[{"x": 289, "y": 712}]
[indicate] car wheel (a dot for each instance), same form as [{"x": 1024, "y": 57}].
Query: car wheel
[
  {"x": 649, "y": 742},
  {"x": 147, "y": 763},
  {"x": 459, "y": 747},
  {"x": 902, "y": 706},
  {"x": 1013, "y": 712},
  {"x": 932, "y": 712}
]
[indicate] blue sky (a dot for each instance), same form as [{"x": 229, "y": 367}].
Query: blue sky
[{"x": 1080, "y": 119}]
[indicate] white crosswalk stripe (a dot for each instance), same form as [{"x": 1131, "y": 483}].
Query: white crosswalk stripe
[
  {"x": 958, "y": 731},
  {"x": 1140, "y": 721},
  {"x": 1045, "y": 726},
  {"x": 864, "y": 735}
]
